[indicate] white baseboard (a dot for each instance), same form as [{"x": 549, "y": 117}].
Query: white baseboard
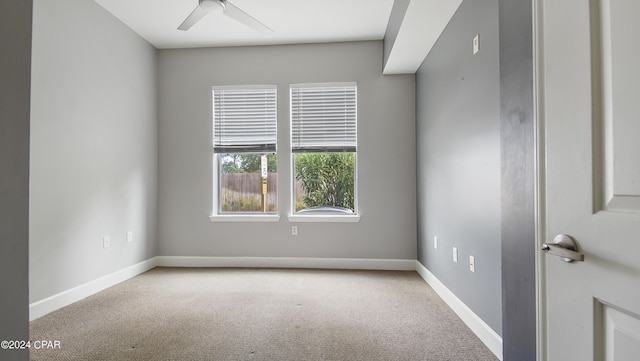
[
  {"x": 288, "y": 262},
  {"x": 40, "y": 308},
  {"x": 486, "y": 334}
]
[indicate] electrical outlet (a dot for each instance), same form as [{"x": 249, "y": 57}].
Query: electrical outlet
[
  {"x": 476, "y": 44},
  {"x": 106, "y": 241},
  {"x": 435, "y": 242},
  {"x": 455, "y": 255},
  {"x": 472, "y": 264},
  {"x": 294, "y": 230},
  {"x": 130, "y": 236}
]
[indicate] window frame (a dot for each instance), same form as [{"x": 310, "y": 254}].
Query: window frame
[
  {"x": 294, "y": 216},
  {"x": 216, "y": 213}
]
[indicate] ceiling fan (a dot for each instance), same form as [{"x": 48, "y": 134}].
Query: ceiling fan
[{"x": 222, "y": 6}]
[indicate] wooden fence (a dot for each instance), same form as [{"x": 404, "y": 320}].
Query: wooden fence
[
  {"x": 249, "y": 183},
  {"x": 241, "y": 192}
]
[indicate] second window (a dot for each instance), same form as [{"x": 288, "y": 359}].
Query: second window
[{"x": 324, "y": 148}]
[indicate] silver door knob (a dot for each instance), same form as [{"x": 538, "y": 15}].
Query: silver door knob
[{"x": 564, "y": 246}]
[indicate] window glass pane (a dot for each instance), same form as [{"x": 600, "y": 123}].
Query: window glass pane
[
  {"x": 243, "y": 189},
  {"x": 324, "y": 182}
]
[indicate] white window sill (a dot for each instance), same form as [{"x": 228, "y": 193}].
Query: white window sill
[
  {"x": 330, "y": 218},
  {"x": 244, "y": 218}
]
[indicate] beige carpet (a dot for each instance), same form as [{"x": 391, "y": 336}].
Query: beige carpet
[{"x": 260, "y": 314}]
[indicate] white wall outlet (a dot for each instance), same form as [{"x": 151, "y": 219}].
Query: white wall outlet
[
  {"x": 472, "y": 264},
  {"x": 455, "y": 255},
  {"x": 294, "y": 230},
  {"x": 106, "y": 241},
  {"x": 476, "y": 44},
  {"x": 435, "y": 242},
  {"x": 130, "y": 236}
]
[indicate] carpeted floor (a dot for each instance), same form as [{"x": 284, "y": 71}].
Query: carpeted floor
[{"x": 260, "y": 314}]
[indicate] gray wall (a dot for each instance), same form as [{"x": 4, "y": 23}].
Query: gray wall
[
  {"x": 517, "y": 181},
  {"x": 386, "y": 152},
  {"x": 458, "y": 159},
  {"x": 15, "y": 69},
  {"x": 93, "y": 146}
]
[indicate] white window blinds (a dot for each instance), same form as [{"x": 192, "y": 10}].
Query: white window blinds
[
  {"x": 323, "y": 117},
  {"x": 244, "y": 119}
]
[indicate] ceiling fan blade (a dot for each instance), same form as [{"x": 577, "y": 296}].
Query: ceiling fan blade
[
  {"x": 195, "y": 16},
  {"x": 235, "y": 13}
]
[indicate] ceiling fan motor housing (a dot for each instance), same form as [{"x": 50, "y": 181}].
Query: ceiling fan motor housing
[{"x": 212, "y": 6}]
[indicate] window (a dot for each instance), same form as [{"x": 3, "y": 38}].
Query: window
[
  {"x": 244, "y": 145},
  {"x": 323, "y": 143}
]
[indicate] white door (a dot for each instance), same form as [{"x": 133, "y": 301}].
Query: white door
[{"x": 589, "y": 107}]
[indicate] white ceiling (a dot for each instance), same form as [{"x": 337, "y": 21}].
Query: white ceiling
[{"x": 294, "y": 21}]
